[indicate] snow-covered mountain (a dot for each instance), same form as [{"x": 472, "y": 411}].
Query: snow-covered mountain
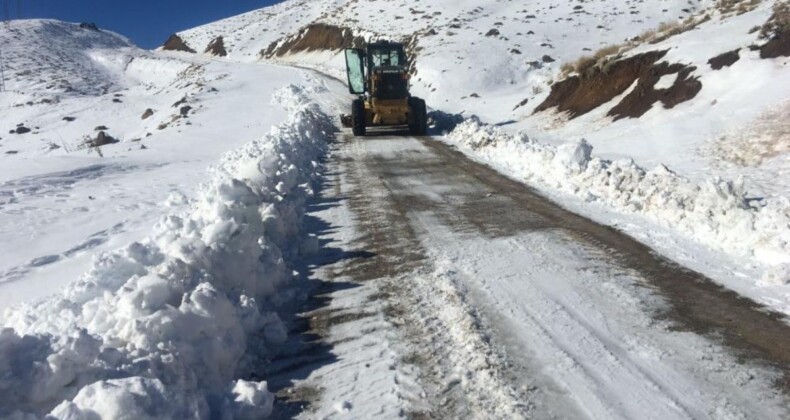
[
  {"x": 48, "y": 56},
  {"x": 665, "y": 118}
]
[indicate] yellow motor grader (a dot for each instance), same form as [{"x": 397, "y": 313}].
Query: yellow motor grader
[{"x": 379, "y": 74}]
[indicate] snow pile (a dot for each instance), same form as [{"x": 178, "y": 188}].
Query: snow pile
[
  {"x": 715, "y": 212},
  {"x": 166, "y": 327}
]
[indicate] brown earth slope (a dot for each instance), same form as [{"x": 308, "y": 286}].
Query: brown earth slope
[
  {"x": 600, "y": 84},
  {"x": 314, "y": 37}
]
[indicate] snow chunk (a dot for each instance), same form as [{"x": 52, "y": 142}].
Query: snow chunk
[
  {"x": 779, "y": 274},
  {"x": 573, "y": 156},
  {"x": 250, "y": 400}
]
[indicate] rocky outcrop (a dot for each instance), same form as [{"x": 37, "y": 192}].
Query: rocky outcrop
[
  {"x": 175, "y": 43},
  {"x": 102, "y": 139},
  {"x": 89, "y": 26},
  {"x": 217, "y": 47}
]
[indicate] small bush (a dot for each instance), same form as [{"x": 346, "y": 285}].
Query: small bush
[
  {"x": 607, "y": 51},
  {"x": 737, "y": 7},
  {"x": 779, "y": 22},
  {"x": 579, "y": 66}
]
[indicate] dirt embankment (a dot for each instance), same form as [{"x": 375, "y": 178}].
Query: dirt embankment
[
  {"x": 176, "y": 43},
  {"x": 580, "y": 94},
  {"x": 314, "y": 37}
]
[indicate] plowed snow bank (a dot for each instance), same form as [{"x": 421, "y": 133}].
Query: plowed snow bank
[
  {"x": 716, "y": 213},
  {"x": 167, "y": 327}
]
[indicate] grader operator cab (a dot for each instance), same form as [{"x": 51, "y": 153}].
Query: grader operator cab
[{"x": 379, "y": 75}]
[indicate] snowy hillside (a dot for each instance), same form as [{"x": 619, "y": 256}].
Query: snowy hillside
[
  {"x": 192, "y": 235},
  {"x": 61, "y": 197},
  {"x": 48, "y": 56},
  {"x": 496, "y": 49}
]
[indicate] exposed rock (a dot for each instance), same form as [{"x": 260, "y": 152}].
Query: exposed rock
[
  {"x": 493, "y": 32},
  {"x": 520, "y": 104},
  {"x": 175, "y": 43},
  {"x": 216, "y": 47},
  {"x": 22, "y": 130},
  {"x": 148, "y": 113},
  {"x": 103, "y": 139},
  {"x": 90, "y": 26},
  {"x": 101, "y": 128},
  {"x": 724, "y": 60},
  {"x": 69, "y": 119},
  {"x": 179, "y": 102},
  {"x": 314, "y": 37},
  {"x": 184, "y": 111},
  {"x": 547, "y": 59}
]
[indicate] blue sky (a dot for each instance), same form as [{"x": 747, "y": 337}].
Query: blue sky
[{"x": 146, "y": 22}]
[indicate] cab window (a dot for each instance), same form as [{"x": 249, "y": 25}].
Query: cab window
[{"x": 386, "y": 57}]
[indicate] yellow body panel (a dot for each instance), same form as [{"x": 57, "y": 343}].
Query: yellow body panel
[{"x": 387, "y": 111}]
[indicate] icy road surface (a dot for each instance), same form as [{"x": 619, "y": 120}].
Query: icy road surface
[{"x": 446, "y": 290}]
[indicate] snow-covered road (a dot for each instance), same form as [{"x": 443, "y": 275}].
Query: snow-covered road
[{"x": 448, "y": 290}]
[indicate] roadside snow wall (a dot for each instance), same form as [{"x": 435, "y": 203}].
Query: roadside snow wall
[
  {"x": 168, "y": 327},
  {"x": 715, "y": 213}
]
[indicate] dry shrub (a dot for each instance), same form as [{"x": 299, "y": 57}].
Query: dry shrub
[
  {"x": 579, "y": 66},
  {"x": 737, "y": 7},
  {"x": 779, "y": 22},
  {"x": 652, "y": 36},
  {"x": 607, "y": 51}
]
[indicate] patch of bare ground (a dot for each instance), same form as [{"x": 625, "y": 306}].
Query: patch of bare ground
[
  {"x": 762, "y": 139},
  {"x": 176, "y": 43},
  {"x": 598, "y": 85},
  {"x": 217, "y": 47},
  {"x": 725, "y": 59},
  {"x": 644, "y": 95},
  {"x": 314, "y": 37}
]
